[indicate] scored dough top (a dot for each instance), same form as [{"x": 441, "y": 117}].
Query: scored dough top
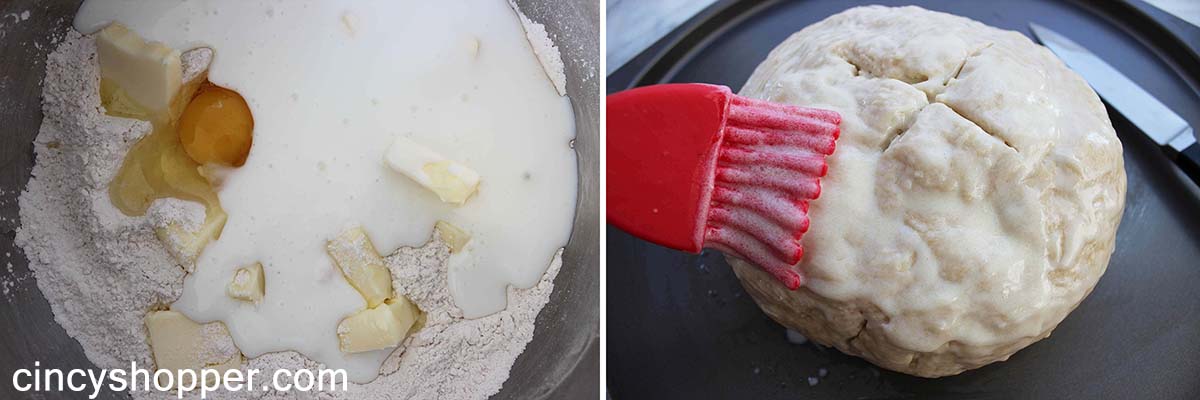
[{"x": 977, "y": 186}]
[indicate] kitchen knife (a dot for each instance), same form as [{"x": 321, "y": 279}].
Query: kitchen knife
[{"x": 1153, "y": 118}]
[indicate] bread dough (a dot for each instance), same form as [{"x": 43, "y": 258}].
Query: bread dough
[{"x": 972, "y": 202}]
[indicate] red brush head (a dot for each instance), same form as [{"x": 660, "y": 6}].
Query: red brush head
[
  {"x": 770, "y": 166},
  {"x": 692, "y": 166}
]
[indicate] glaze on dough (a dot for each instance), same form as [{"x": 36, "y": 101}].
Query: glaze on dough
[{"x": 973, "y": 200}]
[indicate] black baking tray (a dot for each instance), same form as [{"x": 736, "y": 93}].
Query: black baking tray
[{"x": 681, "y": 326}]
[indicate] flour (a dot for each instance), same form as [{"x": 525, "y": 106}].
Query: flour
[
  {"x": 103, "y": 271},
  {"x": 189, "y": 215},
  {"x": 545, "y": 50},
  {"x": 10, "y": 281}
]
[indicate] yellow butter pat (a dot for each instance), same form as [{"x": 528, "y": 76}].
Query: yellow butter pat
[
  {"x": 247, "y": 284},
  {"x": 178, "y": 344},
  {"x": 186, "y": 245},
  {"x": 383, "y": 326},
  {"x": 454, "y": 236},
  {"x": 452, "y": 181},
  {"x": 362, "y": 266},
  {"x": 137, "y": 78},
  {"x": 472, "y": 47}
]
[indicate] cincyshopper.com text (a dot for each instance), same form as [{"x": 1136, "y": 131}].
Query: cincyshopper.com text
[{"x": 94, "y": 381}]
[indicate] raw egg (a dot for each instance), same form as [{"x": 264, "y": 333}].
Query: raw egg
[{"x": 216, "y": 127}]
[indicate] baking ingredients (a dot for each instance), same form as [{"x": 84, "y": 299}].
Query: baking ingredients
[
  {"x": 362, "y": 266},
  {"x": 382, "y": 326},
  {"x": 547, "y": 53},
  {"x": 182, "y": 344},
  {"x": 473, "y": 46},
  {"x": 184, "y": 243},
  {"x": 328, "y": 95},
  {"x": 82, "y": 248},
  {"x": 216, "y": 127},
  {"x": 452, "y": 181},
  {"x": 247, "y": 284},
  {"x": 454, "y": 236},
  {"x": 157, "y": 167},
  {"x": 973, "y": 200},
  {"x": 137, "y": 78}
]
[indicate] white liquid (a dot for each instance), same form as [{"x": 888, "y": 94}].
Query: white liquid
[{"x": 330, "y": 84}]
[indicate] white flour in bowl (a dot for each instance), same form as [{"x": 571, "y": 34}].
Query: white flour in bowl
[{"x": 102, "y": 271}]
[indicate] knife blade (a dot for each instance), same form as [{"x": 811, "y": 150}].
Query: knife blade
[{"x": 1151, "y": 116}]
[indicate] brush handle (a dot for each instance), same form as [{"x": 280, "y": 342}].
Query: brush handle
[{"x": 662, "y": 144}]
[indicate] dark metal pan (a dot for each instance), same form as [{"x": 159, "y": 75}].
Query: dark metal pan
[{"x": 680, "y": 326}]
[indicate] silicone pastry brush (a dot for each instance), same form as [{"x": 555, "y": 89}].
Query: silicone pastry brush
[{"x": 692, "y": 166}]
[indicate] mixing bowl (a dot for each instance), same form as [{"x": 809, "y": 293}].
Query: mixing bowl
[{"x": 562, "y": 361}]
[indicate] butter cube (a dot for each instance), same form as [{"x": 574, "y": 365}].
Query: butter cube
[
  {"x": 453, "y": 182},
  {"x": 178, "y": 343},
  {"x": 186, "y": 245},
  {"x": 362, "y": 266},
  {"x": 137, "y": 79},
  {"x": 380, "y": 327},
  {"x": 473, "y": 47},
  {"x": 454, "y": 236},
  {"x": 247, "y": 284}
]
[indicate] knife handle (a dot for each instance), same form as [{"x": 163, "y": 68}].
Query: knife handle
[{"x": 1189, "y": 162}]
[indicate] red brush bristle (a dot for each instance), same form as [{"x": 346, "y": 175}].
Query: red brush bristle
[
  {"x": 812, "y": 164},
  {"x": 744, "y": 245},
  {"x": 769, "y": 167}
]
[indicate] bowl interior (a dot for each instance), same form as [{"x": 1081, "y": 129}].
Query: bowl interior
[{"x": 562, "y": 361}]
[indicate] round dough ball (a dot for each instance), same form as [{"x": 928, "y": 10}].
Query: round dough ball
[{"x": 973, "y": 199}]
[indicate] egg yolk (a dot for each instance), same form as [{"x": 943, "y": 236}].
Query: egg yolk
[{"x": 216, "y": 127}]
